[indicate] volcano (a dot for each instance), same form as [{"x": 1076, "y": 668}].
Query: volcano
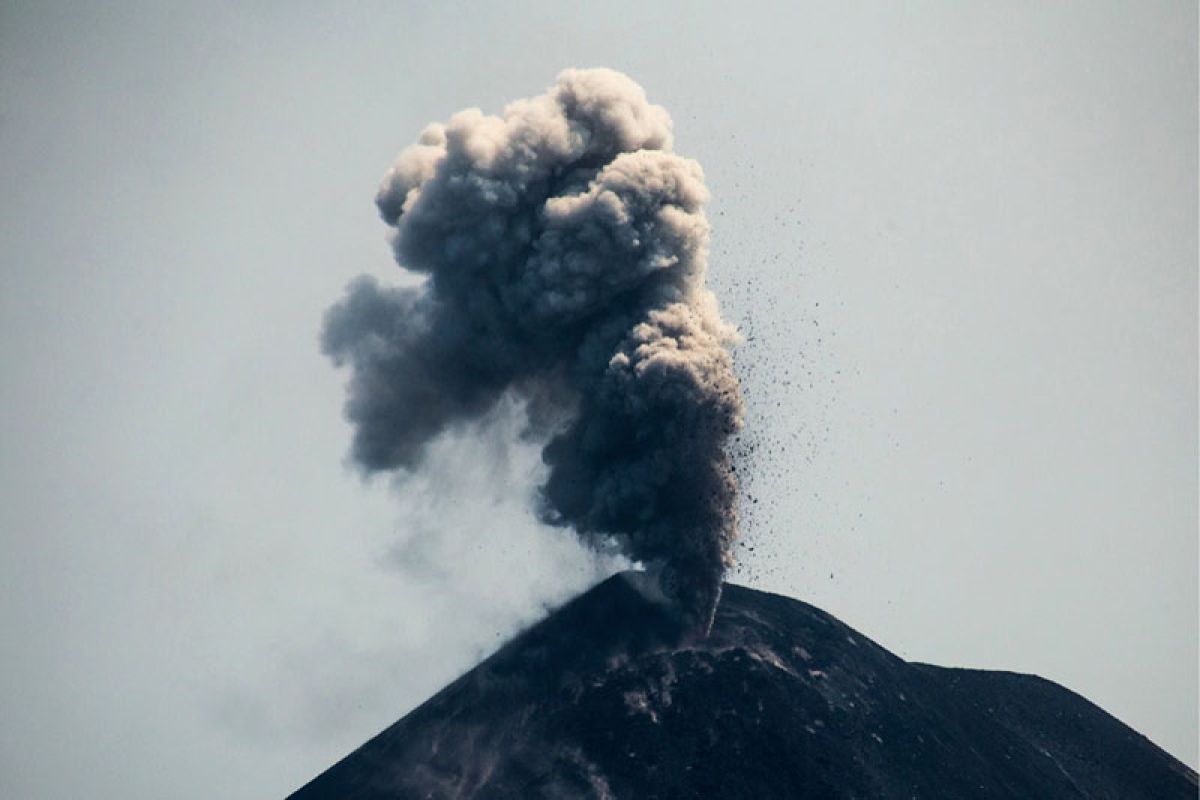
[{"x": 608, "y": 697}]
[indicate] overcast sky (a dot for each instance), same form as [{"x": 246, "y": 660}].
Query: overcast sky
[{"x": 960, "y": 238}]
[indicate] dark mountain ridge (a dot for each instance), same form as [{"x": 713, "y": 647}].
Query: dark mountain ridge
[{"x": 609, "y": 698}]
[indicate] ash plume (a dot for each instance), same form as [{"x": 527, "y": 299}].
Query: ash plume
[{"x": 564, "y": 246}]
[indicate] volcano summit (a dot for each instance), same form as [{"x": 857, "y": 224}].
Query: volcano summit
[{"x": 609, "y": 697}]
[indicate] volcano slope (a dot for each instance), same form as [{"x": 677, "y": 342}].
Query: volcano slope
[{"x": 605, "y": 699}]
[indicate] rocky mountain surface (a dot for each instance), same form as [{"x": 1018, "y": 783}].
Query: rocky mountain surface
[{"x": 606, "y": 698}]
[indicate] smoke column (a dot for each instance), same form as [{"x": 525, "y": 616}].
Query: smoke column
[{"x": 565, "y": 250}]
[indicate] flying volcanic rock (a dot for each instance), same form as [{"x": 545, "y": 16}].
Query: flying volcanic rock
[
  {"x": 564, "y": 247},
  {"x": 780, "y": 701}
]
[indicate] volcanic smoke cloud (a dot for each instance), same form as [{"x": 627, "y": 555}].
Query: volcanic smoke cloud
[{"x": 565, "y": 250}]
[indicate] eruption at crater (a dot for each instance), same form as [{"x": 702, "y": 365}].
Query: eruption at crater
[{"x": 565, "y": 249}]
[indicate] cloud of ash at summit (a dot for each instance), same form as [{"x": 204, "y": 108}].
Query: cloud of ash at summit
[{"x": 565, "y": 249}]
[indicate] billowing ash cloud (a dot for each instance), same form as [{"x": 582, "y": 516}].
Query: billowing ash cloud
[{"x": 565, "y": 247}]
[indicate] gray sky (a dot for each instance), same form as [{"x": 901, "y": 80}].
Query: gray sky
[{"x": 961, "y": 239}]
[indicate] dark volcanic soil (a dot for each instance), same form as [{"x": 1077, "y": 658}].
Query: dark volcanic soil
[{"x": 780, "y": 701}]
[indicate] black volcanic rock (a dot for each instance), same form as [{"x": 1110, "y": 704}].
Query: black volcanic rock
[{"x": 601, "y": 700}]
